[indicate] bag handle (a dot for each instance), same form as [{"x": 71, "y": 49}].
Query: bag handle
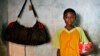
[
  {"x": 20, "y": 14},
  {"x": 34, "y": 11}
]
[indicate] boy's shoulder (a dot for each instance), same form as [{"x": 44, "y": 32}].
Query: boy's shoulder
[{"x": 80, "y": 28}]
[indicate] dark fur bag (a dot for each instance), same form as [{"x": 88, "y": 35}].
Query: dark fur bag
[
  {"x": 36, "y": 35},
  {"x": 29, "y": 36}
]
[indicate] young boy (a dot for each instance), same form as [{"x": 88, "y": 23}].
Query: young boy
[{"x": 67, "y": 40}]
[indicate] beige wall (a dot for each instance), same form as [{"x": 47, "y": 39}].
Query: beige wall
[{"x": 50, "y": 13}]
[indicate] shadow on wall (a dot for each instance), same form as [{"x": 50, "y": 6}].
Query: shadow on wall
[
  {"x": 3, "y": 45},
  {"x": 3, "y": 50},
  {"x": 78, "y": 20},
  {"x": 3, "y": 20},
  {"x": 95, "y": 46}
]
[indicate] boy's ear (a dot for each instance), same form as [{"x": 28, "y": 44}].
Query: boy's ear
[{"x": 63, "y": 17}]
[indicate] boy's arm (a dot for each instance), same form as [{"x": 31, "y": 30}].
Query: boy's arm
[
  {"x": 58, "y": 52},
  {"x": 56, "y": 43}
]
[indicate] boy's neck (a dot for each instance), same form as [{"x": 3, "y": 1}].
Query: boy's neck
[{"x": 69, "y": 27}]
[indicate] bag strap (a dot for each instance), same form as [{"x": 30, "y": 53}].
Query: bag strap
[
  {"x": 34, "y": 11},
  {"x": 20, "y": 14},
  {"x": 83, "y": 38}
]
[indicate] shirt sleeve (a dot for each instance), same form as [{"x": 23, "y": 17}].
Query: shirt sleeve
[{"x": 83, "y": 37}]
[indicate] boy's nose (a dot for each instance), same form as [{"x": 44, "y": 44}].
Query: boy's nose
[{"x": 69, "y": 19}]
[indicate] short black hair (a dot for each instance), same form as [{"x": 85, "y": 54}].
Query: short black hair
[{"x": 69, "y": 10}]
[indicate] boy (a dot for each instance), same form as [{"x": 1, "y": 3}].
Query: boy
[{"x": 68, "y": 38}]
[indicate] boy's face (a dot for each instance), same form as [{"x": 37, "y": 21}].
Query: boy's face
[{"x": 69, "y": 18}]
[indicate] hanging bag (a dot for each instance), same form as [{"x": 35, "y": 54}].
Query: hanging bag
[
  {"x": 85, "y": 46},
  {"x": 36, "y": 35}
]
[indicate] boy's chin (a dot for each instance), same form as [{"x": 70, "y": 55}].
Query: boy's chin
[{"x": 69, "y": 24}]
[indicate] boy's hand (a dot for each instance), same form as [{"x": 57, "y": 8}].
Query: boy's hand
[
  {"x": 58, "y": 52},
  {"x": 89, "y": 50}
]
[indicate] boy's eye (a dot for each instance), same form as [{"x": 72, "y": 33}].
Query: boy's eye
[{"x": 69, "y": 17}]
